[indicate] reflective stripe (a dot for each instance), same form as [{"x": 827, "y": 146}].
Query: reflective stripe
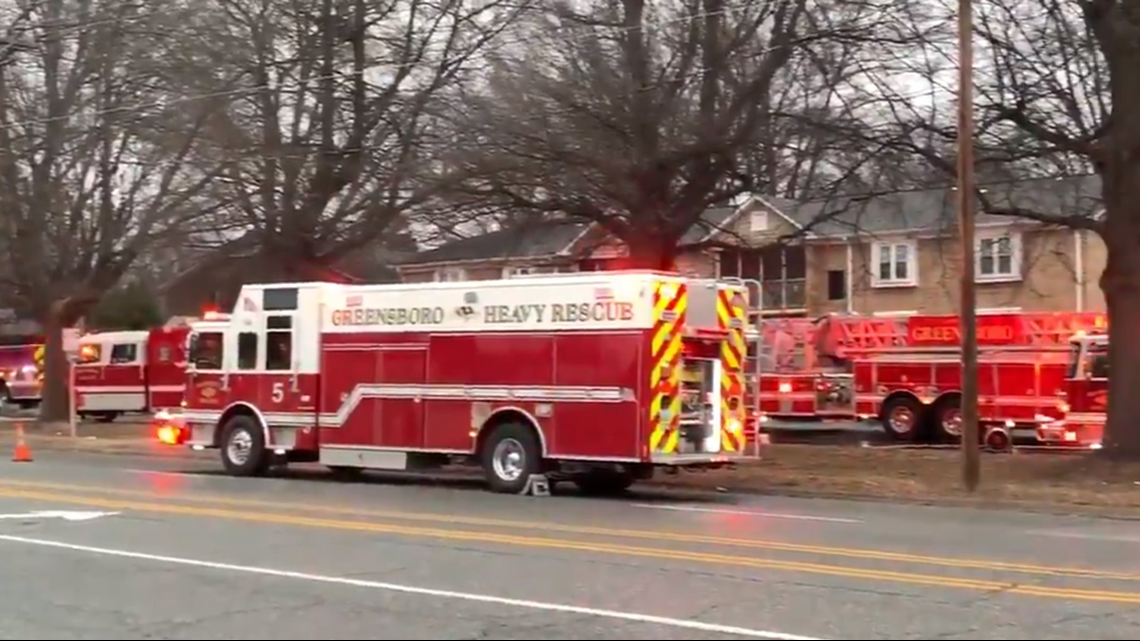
[
  {"x": 730, "y": 315},
  {"x": 670, "y": 302},
  {"x": 505, "y": 393}
]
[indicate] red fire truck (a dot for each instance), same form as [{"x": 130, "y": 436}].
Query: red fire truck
[
  {"x": 138, "y": 371},
  {"x": 1086, "y": 395},
  {"x": 596, "y": 378},
  {"x": 906, "y": 372}
]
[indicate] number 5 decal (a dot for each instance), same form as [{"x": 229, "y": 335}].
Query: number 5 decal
[{"x": 278, "y": 392}]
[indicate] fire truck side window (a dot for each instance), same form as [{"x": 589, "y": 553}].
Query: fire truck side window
[
  {"x": 279, "y": 343},
  {"x": 247, "y": 350},
  {"x": 123, "y": 353},
  {"x": 206, "y": 351},
  {"x": 1098, "y": 361}
]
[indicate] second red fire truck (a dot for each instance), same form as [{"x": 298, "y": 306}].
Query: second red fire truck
[
  {"x": 595, "y": 378},
  {"x": 907, "y": 372},
  {"x": 130, "y": 371}
]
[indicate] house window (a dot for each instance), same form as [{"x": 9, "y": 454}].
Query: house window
[
  {"x": 780, "y": 269},
  {"x": 998, "y": 257},
  {"x": 740, "y": 263},
  {"x": 895, "y": 264},
  {"x": 758, "y": 220},
  {"x": 450, "y": 275},
  {"x": 836, "y": 284}
]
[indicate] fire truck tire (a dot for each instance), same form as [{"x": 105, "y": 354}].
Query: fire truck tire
[
  {"x": 903, "y": 417},
  {"x": 511, "y": 454},
  {"x": 948, "y": 419},
  {"x": 243, "y": 447}
]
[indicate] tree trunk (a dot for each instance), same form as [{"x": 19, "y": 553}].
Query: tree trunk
[
  {"x": 652, "y": 251},
  {"x": 280, "y": 265},
  {"x": 56, "y": 398},
  {"x": 1121, "y": 285}
]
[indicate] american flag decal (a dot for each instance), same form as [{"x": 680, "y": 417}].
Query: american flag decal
[
  {"x": 356, "y": 300},
  {"x": 603, "y": 293}
]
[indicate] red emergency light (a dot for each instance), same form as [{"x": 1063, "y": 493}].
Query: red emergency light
[{"x": 169, "y": 430}]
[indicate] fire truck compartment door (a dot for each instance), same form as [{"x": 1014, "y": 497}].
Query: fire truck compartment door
[
  {"x": 701, "y": 308},
  {"x": 700, "y": 383}
]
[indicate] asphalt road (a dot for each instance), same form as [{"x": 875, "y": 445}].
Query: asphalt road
[{"x": 181, "y": 553}]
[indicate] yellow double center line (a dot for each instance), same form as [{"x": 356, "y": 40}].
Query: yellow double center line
[{"x": 13, "y": 490}]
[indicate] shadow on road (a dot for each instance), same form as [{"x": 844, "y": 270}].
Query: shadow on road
[{"x": 467, "y": 480}]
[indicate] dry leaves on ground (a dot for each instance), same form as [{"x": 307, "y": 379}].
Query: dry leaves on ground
[{"x": 928, "y": 474}]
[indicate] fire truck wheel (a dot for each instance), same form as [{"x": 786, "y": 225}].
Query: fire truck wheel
[
  {"x": 510, "y": 455},
  {"x": 902, "y": 416},
  {"x": 243, "y": 447},
  {"x": 948, "y": 419}
]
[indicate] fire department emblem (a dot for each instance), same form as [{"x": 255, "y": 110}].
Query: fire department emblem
[
  {"x": 467, "y": 310},
  {"x": 207, "y": 390}
]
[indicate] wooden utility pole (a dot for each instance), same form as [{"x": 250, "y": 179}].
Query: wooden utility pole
[{"x": 971, "y": 454}]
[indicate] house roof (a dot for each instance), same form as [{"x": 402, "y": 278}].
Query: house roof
[
  {"x": 935, "y": 210},
  {"x": 547, "y": 238},
  {"x": 239, "y": 258},
  {"x": 715, "y": 219},
  {"x": 532, "y": 240}
]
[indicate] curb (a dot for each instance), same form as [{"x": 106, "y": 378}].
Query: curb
[{"x": 92, "y": 445}]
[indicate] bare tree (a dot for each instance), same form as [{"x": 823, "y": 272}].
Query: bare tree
[
  {"x": 639, "y": 116},
  {"x": 326, "y": 136},
  {"x": 89, "y": 175}
]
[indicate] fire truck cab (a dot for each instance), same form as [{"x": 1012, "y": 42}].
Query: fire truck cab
[
  {"x": 596, "y": 378},
  {"x": 1086, "y": 395},
  {"x": 134, "y": 371}
]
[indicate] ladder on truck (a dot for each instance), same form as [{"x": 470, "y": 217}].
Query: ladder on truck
[{"x": 861, "y": 337}]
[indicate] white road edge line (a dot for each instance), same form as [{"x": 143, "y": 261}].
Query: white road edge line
[
  {"x": 408, "y": 589},
  {"x": 773, "y": 515}
]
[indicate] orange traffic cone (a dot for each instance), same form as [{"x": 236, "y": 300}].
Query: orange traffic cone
[{"x": 22, "y": 453}]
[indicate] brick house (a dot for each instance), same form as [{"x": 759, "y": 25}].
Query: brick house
[
  {"x": 898, "y": 253},
  {"x": 883, "y": 254}
]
